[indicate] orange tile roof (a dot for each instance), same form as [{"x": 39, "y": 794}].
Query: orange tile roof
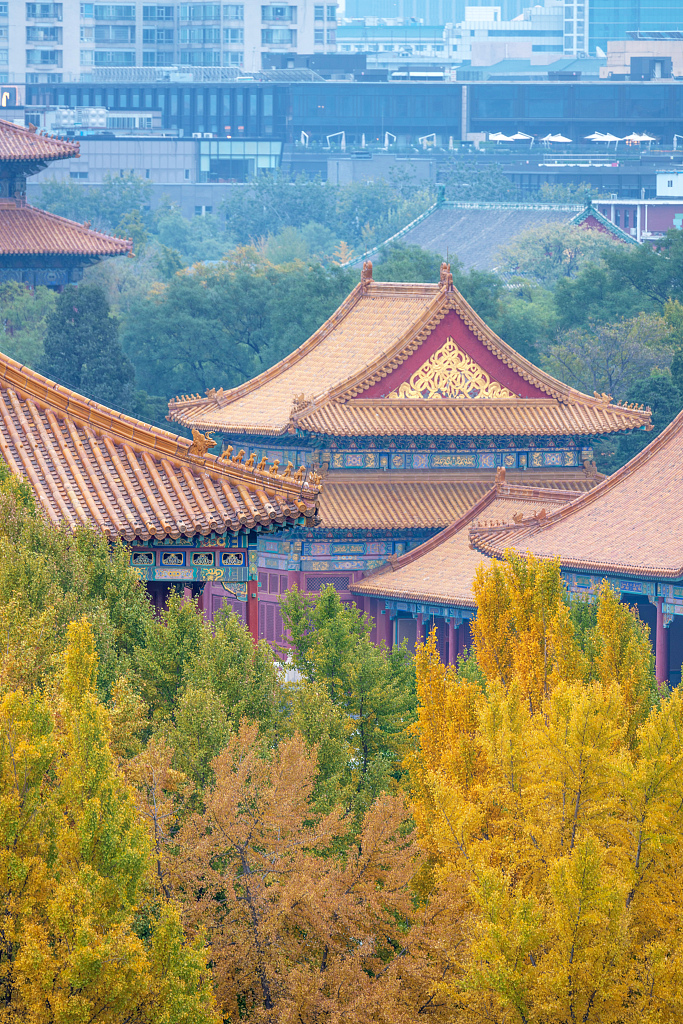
[
  {"x": 428, "y": 501},
  {"x": 377, "y": 328},
  {"x": 26, "y": 144},
  {"x": 631, "y": 524},
  {"x": 24, "y": 230},
  {"x": 90, "y": 465},
  {"x": 442, "y": 569}
]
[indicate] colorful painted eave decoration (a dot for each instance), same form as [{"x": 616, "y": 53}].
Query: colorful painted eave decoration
[
  {"x": 405, "y": 360},
  {"x": 631, "y": 524},
  {"x": 89, "y": 465}
]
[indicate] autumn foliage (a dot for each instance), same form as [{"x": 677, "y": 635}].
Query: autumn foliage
[
  {"x": 550, "y": 789},
  {"x": 188, "y": 835}
]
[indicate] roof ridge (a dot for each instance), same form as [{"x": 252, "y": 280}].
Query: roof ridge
[
  {"x": 136, "y": 432},
  {"x": 499, "y": 490},
  {"x": 587, "y": 497},
  {"x": 223, "y": 398},
  {"x": 64, "y": 148}
]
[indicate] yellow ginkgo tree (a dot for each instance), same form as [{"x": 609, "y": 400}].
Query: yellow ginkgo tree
[
  {"x": 548, "y": 792},
  {"x": 82, "y": 937}
]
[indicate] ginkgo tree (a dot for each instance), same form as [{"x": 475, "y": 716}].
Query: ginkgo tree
[
  {"x": 74, "y": 863},
  {"x": 550, "y": 795}
]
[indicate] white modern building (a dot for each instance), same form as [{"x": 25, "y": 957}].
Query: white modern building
[{"x": 64, "y": 42}]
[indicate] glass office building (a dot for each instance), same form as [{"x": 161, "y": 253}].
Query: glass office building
[{"x": 614, "y": 19}]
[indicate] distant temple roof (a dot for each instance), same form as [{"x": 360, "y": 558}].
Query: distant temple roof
[
  {"x": 405, "y": 359},
  {"x": 442, "y": 570},
  {"x": 90, "y": 465},
  {"x": 631, "y": 524},
  {"x": 430, "y": 504},
  {"x": 26, "y": 144},
  {"x": 24, "y": 230}
]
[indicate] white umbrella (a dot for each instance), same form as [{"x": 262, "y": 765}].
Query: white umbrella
[
  {"x": 633, "y": 137},
  {"x": 518, "y": 136},
  {"x": 499, "y": 137},
  {"x": 597, "y": 137},
  {"x": 647, "y": 138},
  {"x": 559, "y": 138}
]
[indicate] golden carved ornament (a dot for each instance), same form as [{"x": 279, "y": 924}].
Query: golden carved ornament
[
  {"x": 200, "y": 443},
  {"x": 451, "y": 373}
]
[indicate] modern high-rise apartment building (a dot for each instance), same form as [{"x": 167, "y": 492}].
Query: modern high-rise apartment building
[{"x": 54, "y": 42}]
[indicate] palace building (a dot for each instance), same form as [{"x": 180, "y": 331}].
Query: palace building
[
  {"x": 188, "y": 518},
  {"x": 626, "y": 530},
  {"x": 39, "y": 248},
  {"x": 407, "y": 404}
]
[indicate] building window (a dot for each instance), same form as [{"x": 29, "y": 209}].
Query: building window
[
  {"x": 200, "y": 58},
  {"x": 4, "y": 56},
  {"x": 331, "y": 35},
  {"x": 278, "y": 36},
  {"x": 626, "y": 224},
  {"x": 319, "y": 13},
  {"x": 187, "y": 175},
  {"x": 87, "y": 34},
  {"x": 43, "y": 34},
  {"x": 233, "y": 35},
  {"x": 86, "y": 57},
  {"x": 114, "y": 12},
  {"x": 44, "y": 57},
  {"x": 617, "y": 218},
  {"x": 319, "y": 35},
  {"x": 115, "y": 58},
  {"x": 233, "y": 59},
  {"x": 157, "y": 13},
  {"x": 87, "y": 10},
  {"x": 200, "y": 12},
  {"x": 331, "y": 13},
  {"x": 273, "y": 13},
  {"x": 4, "y": 10},
  {"x": 233, "y": 12},
  {"x": 44, "y": 11},
  {"x": 115, "y": 34},
  {"x": 78, "y": 174},
  {"x": 200, "y": 36}
]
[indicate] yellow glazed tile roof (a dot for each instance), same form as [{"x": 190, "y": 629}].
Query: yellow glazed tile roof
[
  {"x": 89, "y": 465},
  {"x": 320, "y": 387},
  {"x": 631, "y": 524},
  {"x": 413, "y": 502},
  {"x": 442, "y": 569}
]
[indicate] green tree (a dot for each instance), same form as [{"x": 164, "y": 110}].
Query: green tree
[
  {"x": 658, "y": 391},
  {"x": 103, "y": 205},
  {"x": 82, "y": 348},
  {"x": 466, "y": 180},
  {"x": 611, "y": 357},
  {"x": 407, "y": 263},
  {"x": 546, "y": 254},
  {"x": 23, "y": 320},
  {"x": 373, "y": 688}
]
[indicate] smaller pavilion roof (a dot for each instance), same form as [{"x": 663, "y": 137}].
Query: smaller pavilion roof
[
  {"x": 405, "y": 360},
  {"x": 88, "y": 465},
  {"x": 631, "y": 524},
  {"x": 25, "y": 231},
  {"x": 441, "y": 570},
  {"x": 405, "y": 501},
  {"x": 19, "y": 144}
]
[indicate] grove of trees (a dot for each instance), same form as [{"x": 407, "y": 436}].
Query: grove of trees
[{"x": 189, "y": 835}]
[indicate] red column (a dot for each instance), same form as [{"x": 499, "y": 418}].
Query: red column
[
  {"x": 419, "y": 631},
  {"x": 452, "y": 642},
  {"x": 661, "y": 646},
  {"x": 385, "y": 627},
  {"x": 252, "y": 609}
]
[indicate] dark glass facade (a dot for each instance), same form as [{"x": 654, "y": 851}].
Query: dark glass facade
[{"x": 283, "y": 111}]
